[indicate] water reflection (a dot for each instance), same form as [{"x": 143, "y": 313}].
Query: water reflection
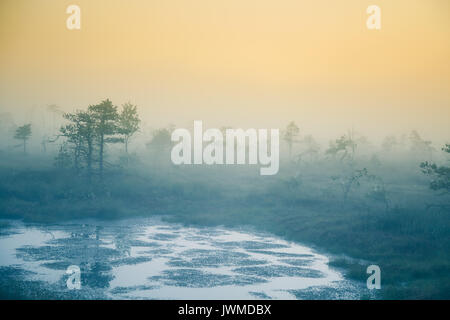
[{"x": 147, "y": 258}]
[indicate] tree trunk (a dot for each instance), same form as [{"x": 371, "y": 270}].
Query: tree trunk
[
  {"x": 75, "y": 159},
  {"x": 89, "y": 159},
  {"x": 101, "y": 155}
]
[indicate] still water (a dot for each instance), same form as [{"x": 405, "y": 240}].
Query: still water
[{"x": 152, "y": 259}]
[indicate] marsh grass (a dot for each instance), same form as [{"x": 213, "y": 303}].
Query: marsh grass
[{"x": 410, "y": 243}]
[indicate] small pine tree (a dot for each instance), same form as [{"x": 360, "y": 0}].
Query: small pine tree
[
  {"x": 290, "y": 135},
  {"x": 128, "y": 123},
  {"x": 23, "y": 133},
  {"x": 105, "y": 118},
  {"x": 440, "y": 174}
]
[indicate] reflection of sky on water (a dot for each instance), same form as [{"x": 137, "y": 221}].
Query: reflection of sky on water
[{"x": 147, "y": 258}]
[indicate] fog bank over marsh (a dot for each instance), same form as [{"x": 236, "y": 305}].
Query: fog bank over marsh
[{"x": 384, "y": 204}]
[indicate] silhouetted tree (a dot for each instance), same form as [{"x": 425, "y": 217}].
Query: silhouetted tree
[
  {"x": 23, "y": 133},
  {"x": 63, "y": 159},
  {"x": 128, "y": 122},
  {"x": 80, "y": 133},
  {"x": 290, "y": 135},
  {"x": 87, "y": 132},
  {"x": 72, "y": 132},
  {"x": 348, "y": 181},
  {"x": 161, "y": 141},
  {"x": 105, "y": 117},
  {"x": 440, "y": 174},
  {"x": 344, "y": 146}
]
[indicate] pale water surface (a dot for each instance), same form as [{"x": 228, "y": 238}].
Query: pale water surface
[{"x": 152, "y": 259}]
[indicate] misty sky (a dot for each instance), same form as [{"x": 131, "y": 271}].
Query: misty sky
[{"x": 243, "y": 63}]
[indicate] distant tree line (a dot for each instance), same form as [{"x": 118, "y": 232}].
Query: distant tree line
[{"x": 87, "y": 133}]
